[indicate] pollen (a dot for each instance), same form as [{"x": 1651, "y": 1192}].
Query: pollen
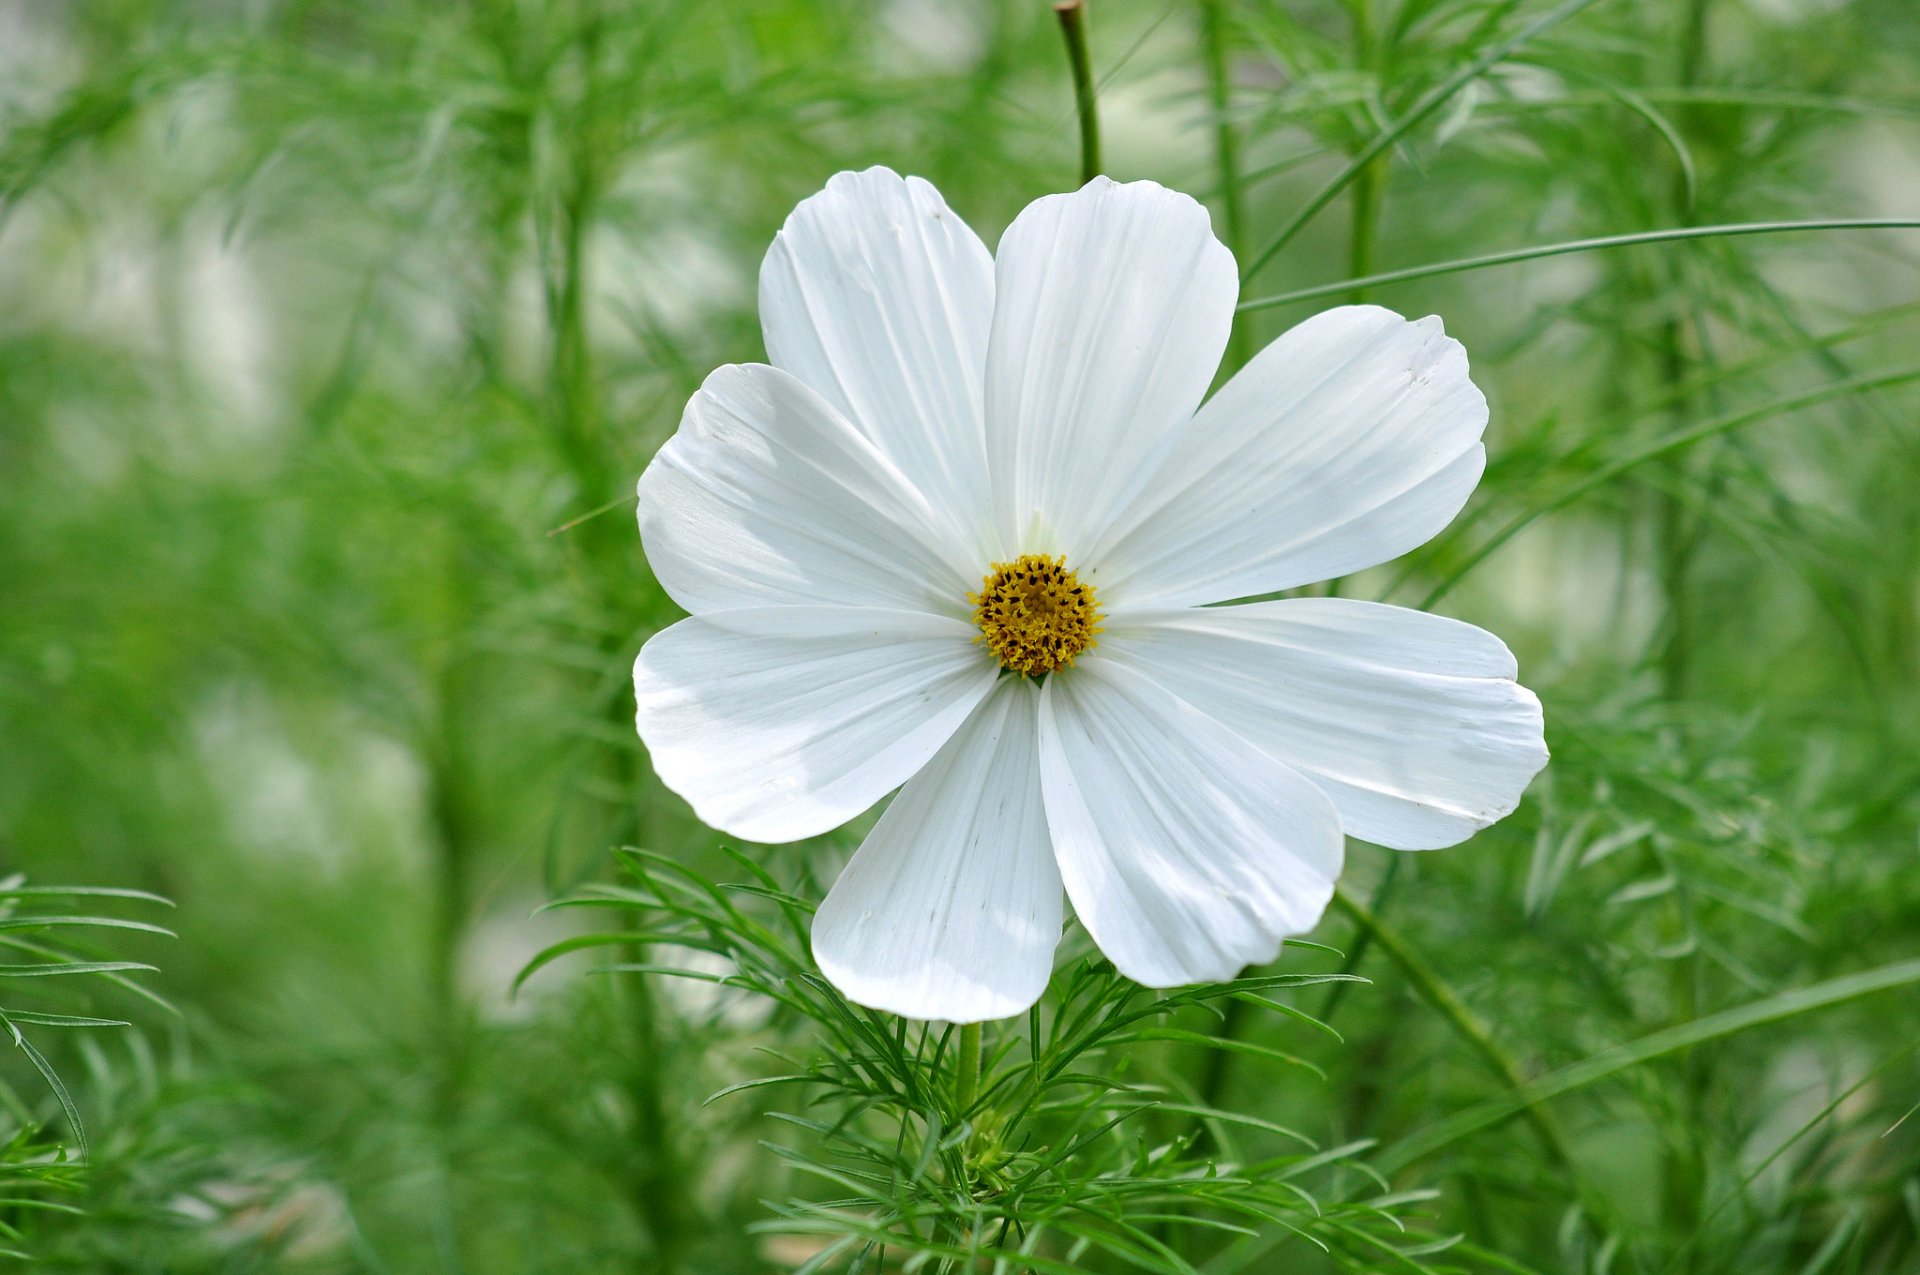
[{"x": 1034, "y": 614}]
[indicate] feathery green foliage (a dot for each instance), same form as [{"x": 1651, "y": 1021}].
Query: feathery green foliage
[
  {"x": 1073, "y": 1133},
  {"x": 37, "y": 925}
]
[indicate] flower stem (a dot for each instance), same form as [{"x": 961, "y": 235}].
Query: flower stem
[
  {"x": 1369, "y": 179},
  {"x": 1683, "y": 1173},
  {"x": 1073, "y": 25},
  {"x": 966, "y": 1076},
  {"x": 1364, "y": 226},
  {"x": 1226, "y": 154}
]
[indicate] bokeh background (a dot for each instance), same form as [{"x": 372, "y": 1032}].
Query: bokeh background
[{"x": 333, "y": 337}]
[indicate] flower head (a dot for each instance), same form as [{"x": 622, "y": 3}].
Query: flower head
[
  {"x": 1034, "y": 614},
  {"x": 963, "y": 538}
]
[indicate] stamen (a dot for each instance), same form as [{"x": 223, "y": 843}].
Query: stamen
[{"x": 1035, "y": 614}]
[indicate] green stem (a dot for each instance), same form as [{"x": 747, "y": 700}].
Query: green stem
[
  {"x": 966, "y": 1074},
  {"x": 1683, "y": 1170},
  {"x": 1678, "y": 533},
  {"x": 1226, "y": 156},
  {"x": 1073, "y": 26},
  {"x": 1364, "y": 227},
  {"x": 1369, "y": 180}
]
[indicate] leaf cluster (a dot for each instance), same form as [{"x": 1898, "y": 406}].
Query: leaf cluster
[{"x": 1074, "y": 1136}]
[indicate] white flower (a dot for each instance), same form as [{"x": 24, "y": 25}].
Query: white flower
[{"x": 962, "y": 471}]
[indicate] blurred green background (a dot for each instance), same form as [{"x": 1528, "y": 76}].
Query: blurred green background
[{"x": 333, "y": 337}]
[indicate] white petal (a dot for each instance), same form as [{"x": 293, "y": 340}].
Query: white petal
[
  {"x": 767, "y": 496},
  {"x": 1112, "y": 311},
  {"x": 880, "y": 298},
  {"x": 951, "y": 908},
  {"x": 1187, "y": 852},
  {"x": 784, "y": 722},
  {"x": 1411, "y": 723},
  {"x": 1348, "y": 441}
]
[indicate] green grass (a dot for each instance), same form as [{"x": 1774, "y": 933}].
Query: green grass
[{"x": 332, "y": 338}]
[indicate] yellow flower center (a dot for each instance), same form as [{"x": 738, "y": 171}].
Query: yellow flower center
[{"x": 1034, "y": 614}]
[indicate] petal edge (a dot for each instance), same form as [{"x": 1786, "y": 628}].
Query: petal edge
[{"x": 1413, "y": 724}]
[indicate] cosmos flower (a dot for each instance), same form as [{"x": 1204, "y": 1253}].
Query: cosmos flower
[{"x": 964, "y": 537}]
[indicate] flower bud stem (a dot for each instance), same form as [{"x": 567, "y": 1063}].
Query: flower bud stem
[{"x": 1073, "y": 25}]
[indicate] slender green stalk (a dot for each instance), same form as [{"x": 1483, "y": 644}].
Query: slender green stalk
[
  {"x": 966, "y": 1069},
  {"x": 454, "y": 844},
  {"x": 1226, "y": 157},
  {"x": 1363, "y": 228},
  {"x": 1073, "y": 26},
  {"x": 1513, "y": 255},
  {"x": 1679, "y": 533},
  {"x": 1682, "y": 338},
  {"x": 453, "y": 840},
  {"x": 1369, "y": 183}
]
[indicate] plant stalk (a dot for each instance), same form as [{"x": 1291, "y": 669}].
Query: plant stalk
[
  {"x": 1073, "y": 26},
  {"x": 1369, "y": 180},
  {"x": 966, "y": 1074},
  {"x": 1226, "y": 157}
]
